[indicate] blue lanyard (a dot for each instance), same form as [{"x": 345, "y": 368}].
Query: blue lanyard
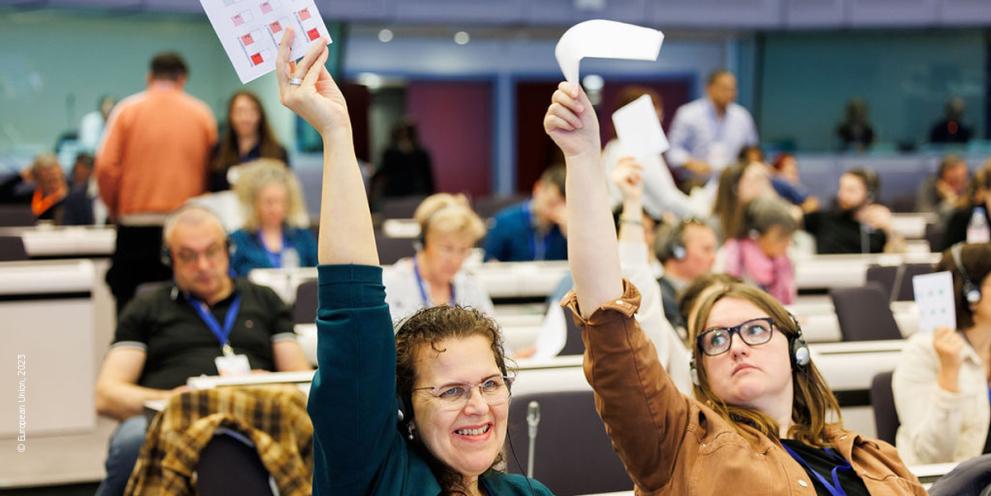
[
  {"x": 835, "y": 488},
  {"x": 274, "y": 258},
  {"x": 223, "y": 335},
  {"x": 538, "y": 251},
  {"x": 423, "y": 288}
]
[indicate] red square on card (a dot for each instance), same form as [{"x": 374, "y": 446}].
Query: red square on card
[
  {"x": 304, "y": 14},
  {"x": 247, "y": 39},
  {"x": 313, "y": 34},
  {"x": 256, "y": 59},
  {"x": 266, "y": 8},
  {"x": 275, "y": 27}
]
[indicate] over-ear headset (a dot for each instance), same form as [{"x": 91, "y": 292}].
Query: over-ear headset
[
  {"x": 799, "y": 352},
  {"x": 971, "y": 291},
  {"x": 672, "y": 245}
]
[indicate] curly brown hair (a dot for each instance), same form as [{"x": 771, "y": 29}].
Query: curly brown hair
[{"x": 428, "y": 327}]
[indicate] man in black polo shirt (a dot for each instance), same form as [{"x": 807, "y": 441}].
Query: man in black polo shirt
[{"x": 203, "y": 323}]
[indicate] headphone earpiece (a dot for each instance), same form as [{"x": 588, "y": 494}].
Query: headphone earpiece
[
  {"x": 166, "y": 256},
  {"x": 693, "y": 372},
  {"x": 678, "y": 251},
  {"x": 971, "y": 291}
]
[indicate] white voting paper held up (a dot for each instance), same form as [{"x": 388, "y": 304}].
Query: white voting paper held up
[
  {"x": 250, "y": 31},
  {"x": 606, "y": 40},
  {"x": 638, "y": 129},
  {"x": 934, "y": 299}
]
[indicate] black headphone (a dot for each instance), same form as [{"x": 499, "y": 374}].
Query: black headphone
[
  {"x": 672, "y": 246},
  {"x": 971, "y": 291},
  {"x": 800, "y": 355}
]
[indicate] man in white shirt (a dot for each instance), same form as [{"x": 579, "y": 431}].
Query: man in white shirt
[{"x": 708, "y": 134}]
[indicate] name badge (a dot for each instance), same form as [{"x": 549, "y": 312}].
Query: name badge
[{"x": 233, "y": 365}]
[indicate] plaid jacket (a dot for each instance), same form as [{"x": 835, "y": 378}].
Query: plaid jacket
[{"x": 273, "y": 417}]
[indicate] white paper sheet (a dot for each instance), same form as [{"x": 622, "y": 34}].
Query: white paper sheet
[
  {"x": 638, "y": 129},
  {"x": 250, "y": 31},
  {"x": 934, "y": 299},
  {"x": 605, "y": 39}
]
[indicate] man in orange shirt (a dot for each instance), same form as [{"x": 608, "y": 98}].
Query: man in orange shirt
[{"x": 153, "y": 158}]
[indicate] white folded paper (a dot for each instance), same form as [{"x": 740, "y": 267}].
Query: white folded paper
[
  {"x": 250, "y": 31},
  {"x": 607, "y": 40},
  {"x": 638, "y": 129},
  {"x": 935, "y": 301}
]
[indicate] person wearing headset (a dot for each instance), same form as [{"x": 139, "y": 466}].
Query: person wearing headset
[
  {"x": 449, "y": 229},
  {"x": 759, "y": 253},
  {"x": 204, "y": 324},
  {"x": 762, "y": 419},
  {"x": 687, "y": 251},
  {"x": 857, "y": 224},
  {"x": 445, "y": 367},
  {"x": 941, "y": 384}
]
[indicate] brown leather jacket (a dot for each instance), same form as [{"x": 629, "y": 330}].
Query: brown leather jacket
[{"x": 672, "y": 444}]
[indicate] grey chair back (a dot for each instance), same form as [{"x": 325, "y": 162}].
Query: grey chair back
[
  {"x": 573, "y": 455},
  {"x": 864, "y": 313},
  {"x": 16, "y": 216},
  {"x": 229, "y": 464},
  {"x": 12, "y": 249},
  {"x": 304, "y": 309},
  {"x": 883, "y": 402}
]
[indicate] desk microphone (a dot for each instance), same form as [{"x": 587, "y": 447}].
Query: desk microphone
[{"x": 532, "y": 421}]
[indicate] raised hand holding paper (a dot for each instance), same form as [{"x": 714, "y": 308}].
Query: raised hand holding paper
[
  {"x": 934, "y": 299},
  {"x": 250, "y": 31},
  {"x": 638, "y": 129},
  {"x": 607, "y": 40}
]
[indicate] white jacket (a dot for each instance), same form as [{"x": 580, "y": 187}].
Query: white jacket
[{"x": 938, "y": 426}]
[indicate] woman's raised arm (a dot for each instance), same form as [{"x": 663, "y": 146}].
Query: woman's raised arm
[{"x": 346, "y": 234}]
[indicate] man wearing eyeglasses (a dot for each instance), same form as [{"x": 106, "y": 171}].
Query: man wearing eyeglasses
[{"x": 204, "y": 324}]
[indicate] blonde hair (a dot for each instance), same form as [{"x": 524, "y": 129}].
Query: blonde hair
[
  {"x": 449, "y": 214},
  {"x": 261, "y": 173},
  {"x": 813, "y": 401},
  {"x": 44, "y": 161}
]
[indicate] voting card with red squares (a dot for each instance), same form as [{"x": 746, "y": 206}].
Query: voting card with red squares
[{"x": 251, "y": 30}]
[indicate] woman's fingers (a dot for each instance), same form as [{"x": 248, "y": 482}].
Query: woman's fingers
[
  {"x": 304, "y": 65},
  {"x": 555, "y": 123},
  {"x": 314, "y": 71},
  {"x": 283, "y": 61},
  {"x": 564, "y": 99},
  {"x": 565, "y": 114}
]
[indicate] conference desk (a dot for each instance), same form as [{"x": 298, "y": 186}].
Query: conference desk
[
  {"x": 48, "y": 241},
  {"x": 47, "y": 312},
  {"x": 819, "y": 273}
]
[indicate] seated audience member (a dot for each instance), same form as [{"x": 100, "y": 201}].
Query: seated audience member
[
  {"x": 175, "y": 332},
  {"x": 855, "y": 131},
  {"x": 857, "y": 224},
  {"x": 406, "y": 169},
  {"x": 687, "y": 251},
  {"x": 788, "y": 184},
  {"x": 275, "y": 232},
  {"x": 42, "y": 185},
  {"x": 951, "y": 129},
  {"x": 248, "y": 137},
  {"x": 960, "y": 218},
  {"x": 434, "y": 276},
  {"x": 941, "y": 382},
  {"x": 759, "y": 254},
  {"x": 534, "y": 229},
  {"x": 78, "y": 207},
  {"x": 944, "y": 192},
  {"x": 661, "y": 194},
  {"x": 444, "y": 368},
  {"x": 634, "y": 255},
  {"x": 737, "y": 186},
  {"x": 762, "y": 420}
]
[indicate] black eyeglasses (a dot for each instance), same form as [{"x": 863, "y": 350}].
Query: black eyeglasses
[{"x": 718, "y": 340}]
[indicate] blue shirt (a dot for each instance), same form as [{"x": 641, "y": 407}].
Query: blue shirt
[
  {"x": 513, "y": 238},
  {"x": 699, "y": 133},
  {"x": 249, "y": 253},
  {"x": 358, "y": 447},
  {"x": 795, "y": 194}
]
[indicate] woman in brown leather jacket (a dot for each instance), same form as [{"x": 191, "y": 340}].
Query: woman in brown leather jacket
[{"x": 762, "y": 420}]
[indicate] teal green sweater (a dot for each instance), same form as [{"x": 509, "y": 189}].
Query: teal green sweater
[{"x": 358, "y": 449}]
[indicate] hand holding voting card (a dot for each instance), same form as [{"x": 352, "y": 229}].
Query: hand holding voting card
[
  {"x": 250, "y": 31},
  {"x": 639, "y": 130},
  {"x": 934, "y": 298},
  {"x": 606, "y": 40}
]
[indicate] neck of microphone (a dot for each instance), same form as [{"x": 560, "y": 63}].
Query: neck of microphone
[{"x": 532, "y": 421}]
